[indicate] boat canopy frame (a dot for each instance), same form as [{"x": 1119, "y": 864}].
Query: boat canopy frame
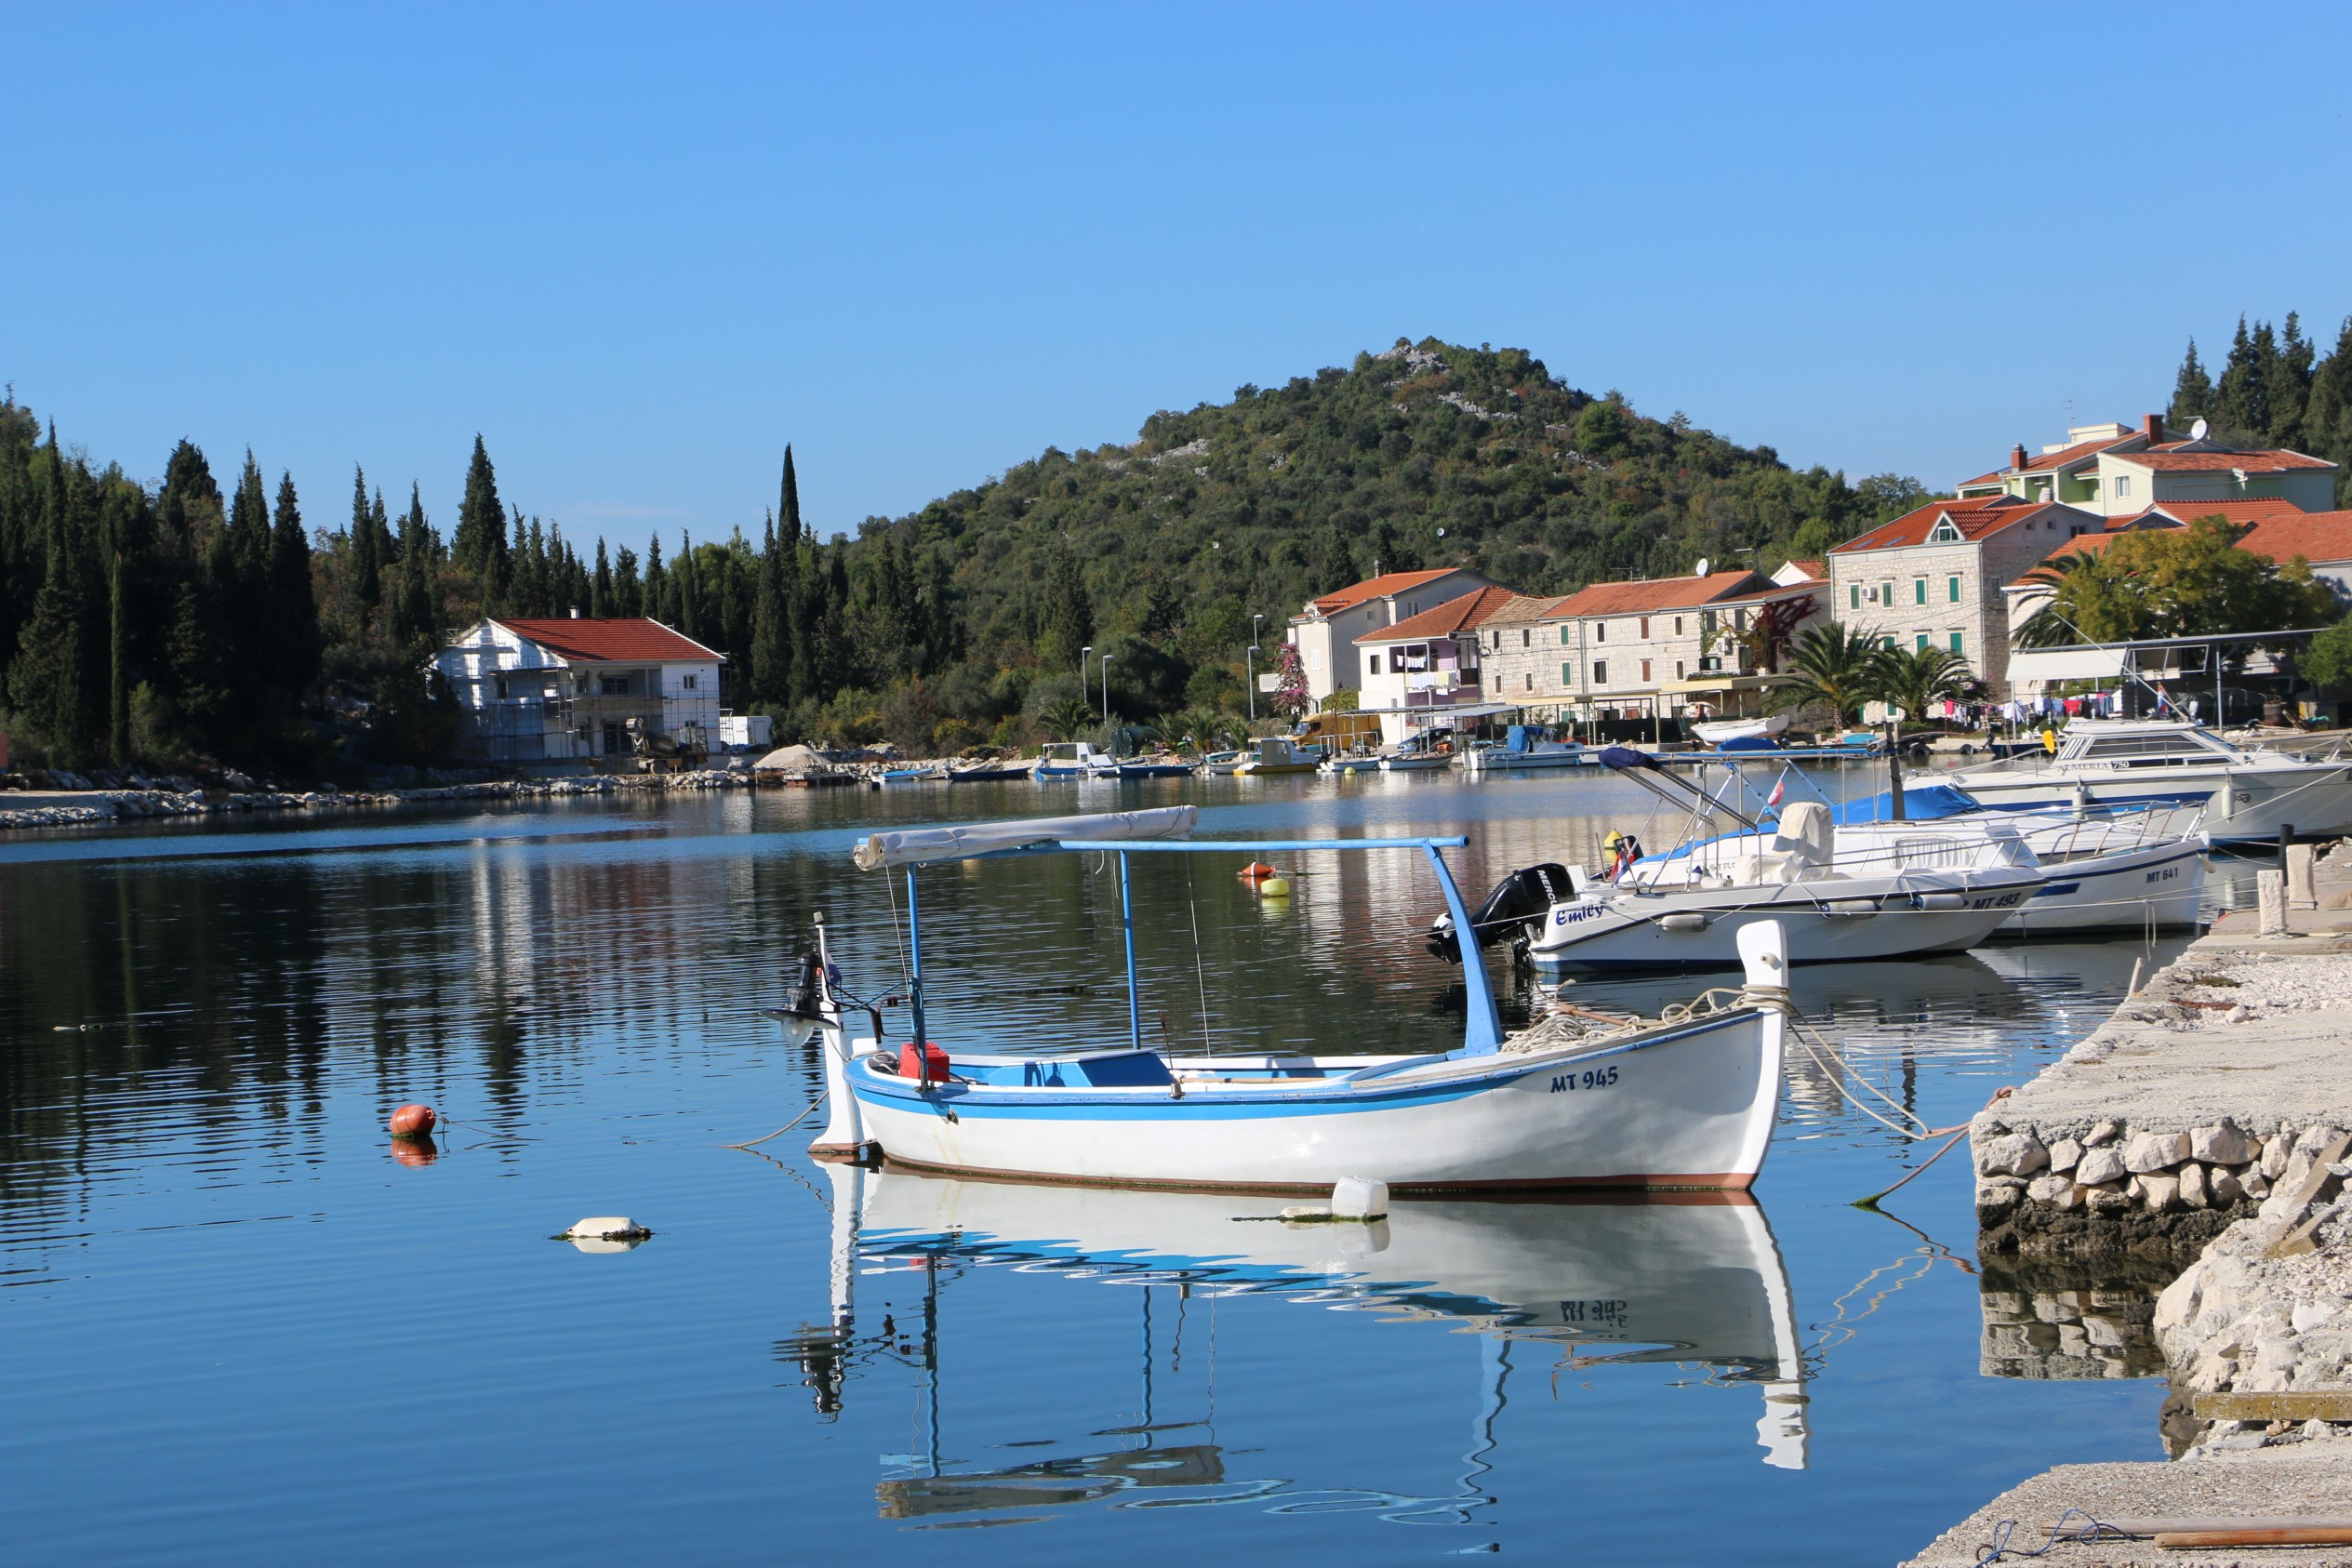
[{"x": 1482, "y": 1032}]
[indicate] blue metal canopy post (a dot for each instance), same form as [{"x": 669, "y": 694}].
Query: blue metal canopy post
[
  {"x": 1128, "y": 927},
  {"x": 915, "y": 960}
]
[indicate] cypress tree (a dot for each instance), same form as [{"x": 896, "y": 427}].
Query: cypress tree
[
  {"x": 599, "y": 587},
  {"x": 2327, "y": 418},
  {"x": 367, "y": 561},
  {"x": 415, "y": 620},
  {"x": 1069, "y": 611},
  {"x": 118, "y": 570},
  {"x": 479, "y": 545},
  {"x": 787, "y": 509},
  {"x": 942, "y": 629},
  {"x": 688, "y": 579},
  {"x": 629, "y": 592},
  {"x": 656, "y": 594},
  {"x": 771, "y": 627}
]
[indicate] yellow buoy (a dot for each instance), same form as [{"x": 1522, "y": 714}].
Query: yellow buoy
[{"x": 1274, "y": 888}]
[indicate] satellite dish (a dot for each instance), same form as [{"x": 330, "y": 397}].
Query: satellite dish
[
  {"x": 1702, "y": 566},
  {"x": 2197, "y": 431}
]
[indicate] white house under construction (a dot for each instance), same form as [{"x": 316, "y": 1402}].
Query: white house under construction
[{"x": 561, "y": 689}]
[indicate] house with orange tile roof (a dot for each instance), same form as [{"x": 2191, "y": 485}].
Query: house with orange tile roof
[
  {"x": 1667, "y": 648},
  {"x": 1417, "y": 673},
  {"x": 2119, "y": 472},
  {"x": 1933, "y": 577},
  {"x": 2275, "y": 527},
  {"x": 1325, "y": 630},
  {"x": 578, "y": 687}
]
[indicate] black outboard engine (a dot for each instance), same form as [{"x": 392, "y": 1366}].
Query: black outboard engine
[
  {"x": 808, "y": 995},
  {"x": 1511, "y": 912}
]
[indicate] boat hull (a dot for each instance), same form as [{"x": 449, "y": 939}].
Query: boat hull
[
  {"x": 1631, "y": 933},
  {"x": 1432, "y": 764},
  {"x": 2130, "y": 890},
  {"x": 1688, "y": 1105},
  {"x": 2245, "y": 805}
]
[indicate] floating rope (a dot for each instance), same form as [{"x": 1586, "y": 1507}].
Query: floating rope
[{"x": 782, "y": 1129}]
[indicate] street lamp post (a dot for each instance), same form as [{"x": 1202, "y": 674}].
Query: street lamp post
[
  {"x": 1086, "y": 657},
  {"x": 1252, "y": 665},
  {"x": 1106, "y": 688}
]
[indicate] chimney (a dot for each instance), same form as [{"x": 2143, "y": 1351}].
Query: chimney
[
  {"x": 2017, "y": 457},
  {"x": 2152, "y": 426},
  {"x": 575, "y": 612}
]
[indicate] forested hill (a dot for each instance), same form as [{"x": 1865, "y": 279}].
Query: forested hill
[
  {"x": 192, "y": 622},
  {"x": 1421, "y": 455}
]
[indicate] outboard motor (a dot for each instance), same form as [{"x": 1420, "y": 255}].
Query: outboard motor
[{"x": 1517, "y": 906}]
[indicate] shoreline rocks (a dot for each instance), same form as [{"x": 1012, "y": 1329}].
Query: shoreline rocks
[{"x": 106, "y": 808}]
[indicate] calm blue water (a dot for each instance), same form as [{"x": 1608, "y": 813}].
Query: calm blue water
[{"x": 235, "y": 1327}]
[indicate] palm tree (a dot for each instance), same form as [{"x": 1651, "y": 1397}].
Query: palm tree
[
  {"x": 1831, "y": 665},
  {"x": 2079, "y": 581},
  {"x": 1202, "y": 728},
  {"x": 1066, "y": 717},
  {"x": 1916, "y": 679}
]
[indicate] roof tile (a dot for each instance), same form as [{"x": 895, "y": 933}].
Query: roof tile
[
  {"x": 1377, "y": 588},
  {"x": 612, "y": 639},
  {"x": 1456, "y": 615}
]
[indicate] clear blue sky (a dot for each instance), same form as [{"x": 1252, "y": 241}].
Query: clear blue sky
[{"x": 641, "y": 248}]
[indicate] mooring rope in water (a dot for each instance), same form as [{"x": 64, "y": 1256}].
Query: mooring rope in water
[{"x": 782, "y": 1129}]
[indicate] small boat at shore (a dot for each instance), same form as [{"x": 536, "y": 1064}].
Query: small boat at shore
[
  {"x": 1066, "y": 760},
  {"x": 1567, "y": 1103},
  {"x": 988, "y": 773},
  {"x": 1274, "y": 753},
  {"x": 1715, "y": 732}
]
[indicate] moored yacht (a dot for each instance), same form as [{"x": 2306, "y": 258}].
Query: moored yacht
[{"x": 2248, "y": 795}]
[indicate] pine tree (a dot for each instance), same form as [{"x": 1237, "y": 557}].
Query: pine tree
[
  {"x": 600, "y": 590},
  {"x": 2192, "y": 392},
  {"x": 415, "y": 621},
  {"x": 2241, "y": 400},
  {"x": 59, "y": 679},
  {"x": 2287, "y": 377},
  {"x": 687, "y": 578},
  {"x": 367, "y": 561},
  {"x": 293, "y": 606},
  {"x": 2327, "y": 418},
  {"x": 479, "y": 545}
]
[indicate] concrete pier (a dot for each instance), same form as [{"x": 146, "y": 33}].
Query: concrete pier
[{"x": 2206, "y": 1127}]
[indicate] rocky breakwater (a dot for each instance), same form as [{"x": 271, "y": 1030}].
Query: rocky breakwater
[
  {"x": 2178, "y": 1117},
  {"x": 2259, "y": 1330},
  {"x": 89, "y": 807}
]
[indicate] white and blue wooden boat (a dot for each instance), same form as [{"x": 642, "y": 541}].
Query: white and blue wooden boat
[
  {"x": 1064, "y": 760},
  {"x": 1682, "y": 1105}
]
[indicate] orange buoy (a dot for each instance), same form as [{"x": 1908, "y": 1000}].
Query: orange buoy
[
  {"x": 413, "y": 1120},
  {"x": 1257, "y": 870}
]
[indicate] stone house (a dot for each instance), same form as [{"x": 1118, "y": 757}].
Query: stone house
[
  {"x": 1418, "y": 672},
  {"x": 2117, "y": 471},
  {"x": 1935, "y": 575}
]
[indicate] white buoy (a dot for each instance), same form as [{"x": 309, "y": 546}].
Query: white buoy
[
  {"x": 1359, "y": 1198},
  {"x": 606, "y": 1233}
]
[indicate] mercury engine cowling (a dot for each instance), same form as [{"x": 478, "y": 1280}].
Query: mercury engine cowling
[{"x": 1510, "y": 913}]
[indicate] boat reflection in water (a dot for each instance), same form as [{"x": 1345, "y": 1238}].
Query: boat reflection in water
[{"x": 1680, "y": 1278}]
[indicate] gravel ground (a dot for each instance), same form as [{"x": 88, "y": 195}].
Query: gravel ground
[{"x": 2307, "y": 1479}]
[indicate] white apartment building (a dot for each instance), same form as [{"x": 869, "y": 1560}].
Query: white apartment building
[
  {"x": 1418, "y": 674},
  {"x": 1325, "y": 632},
  {"x": 547, "y": 690}
]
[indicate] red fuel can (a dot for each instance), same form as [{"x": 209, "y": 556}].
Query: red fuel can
[{"x": 925, "y": 1063}]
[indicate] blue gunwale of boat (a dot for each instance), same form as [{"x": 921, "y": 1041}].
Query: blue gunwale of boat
[{"x": 1313, "y": 1097}]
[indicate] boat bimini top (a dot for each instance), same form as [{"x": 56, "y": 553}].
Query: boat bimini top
[{"x": 1126, "y": 832}]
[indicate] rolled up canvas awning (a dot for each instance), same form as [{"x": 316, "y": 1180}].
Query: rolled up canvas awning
[{"x": 909, "y": 846}]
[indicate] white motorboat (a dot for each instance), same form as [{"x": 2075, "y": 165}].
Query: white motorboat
[
  {"x": 1220, "y": 763},
  {"x": 2248, "y": 795},
  {"x": 1416, "y": 762},
  {"x": 1688, "y": 1104},
  {"x": 1269, "y": 755},
  {"x": 1687, "y": 910},
  {"x": 1358, "y": 761},
  {"x": 2109, "y": 869}
]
